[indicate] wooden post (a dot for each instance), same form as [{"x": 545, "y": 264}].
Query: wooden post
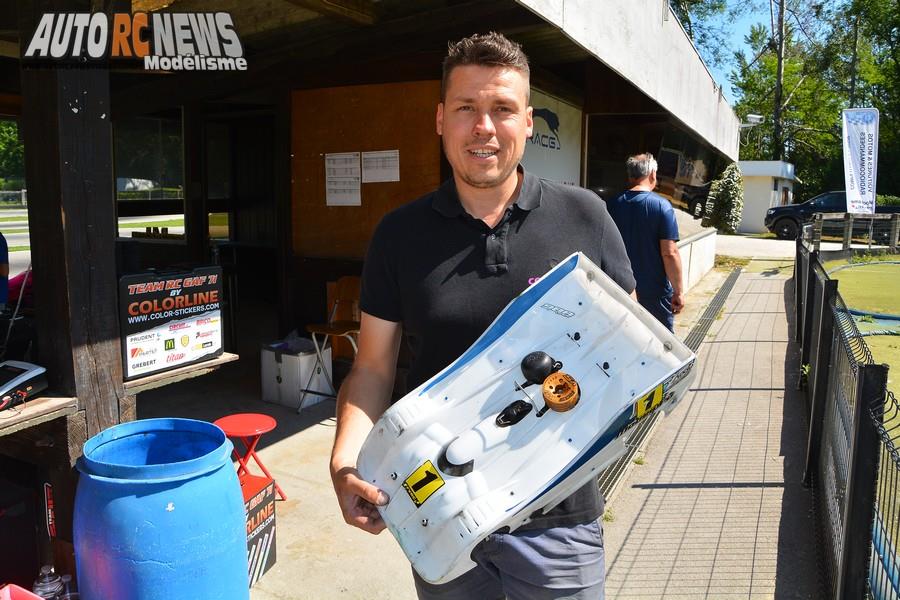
[
  {"x": 848, "y": 231},
  {"x": 196, "y": 219},
  {"x": 817, "y": 231},
  {"x": 284, "y": 213},
  {"x": 895, "y": 231},
  {"x": 71, "y": 212}
]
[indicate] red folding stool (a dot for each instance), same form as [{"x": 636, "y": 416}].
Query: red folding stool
[{"x": 249, "y": 428}]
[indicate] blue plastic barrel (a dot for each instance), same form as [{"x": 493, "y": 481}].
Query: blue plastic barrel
[{"x": 159, "y": 514}]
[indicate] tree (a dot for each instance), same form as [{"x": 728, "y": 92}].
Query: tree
[
  {"x": 12, "y": 153},
  {"x": 725, "y": 202},
  {"x": 829, "y": 57},
  {"x": 705, "y": 22}
]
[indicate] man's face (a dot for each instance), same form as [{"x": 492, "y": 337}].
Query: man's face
[{"x": 484, "y": 121}]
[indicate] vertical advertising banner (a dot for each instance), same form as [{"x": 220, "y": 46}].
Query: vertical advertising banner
[
  {"x": 170, "y": 320},
  {"x": 554, "y": 150},
  {"x": 860, "y": 158}
]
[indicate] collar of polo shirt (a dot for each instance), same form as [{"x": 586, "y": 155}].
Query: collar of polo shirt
[{"x": 446, "y": 200}]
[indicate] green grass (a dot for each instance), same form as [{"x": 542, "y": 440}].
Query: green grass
[
  {"x": 18, "y": 248},
  {"x": 16, "y": 230},
  {"x": 871, "y": 287},
  {"x": 8, "y": 219},
  {"x": 771, "y": 266},
  {"x": 145, "y": 224},
  {"x": 860, "y": 258},
  {"x": 730, "y": 262},
  {"x": 886, "y": 349}
]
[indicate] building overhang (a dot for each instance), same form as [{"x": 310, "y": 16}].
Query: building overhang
[{"x": 645, "y": 44}]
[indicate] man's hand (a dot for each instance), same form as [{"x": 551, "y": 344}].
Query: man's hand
[
  {"x": 358, "y": 500},
  {"x": 677, "y": 302}
]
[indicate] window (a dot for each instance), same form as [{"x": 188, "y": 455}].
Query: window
[
  {"x": 149, "y": 168},
  {"x": 218, "y": 179}
]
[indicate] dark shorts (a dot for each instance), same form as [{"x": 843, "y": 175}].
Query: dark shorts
[
  {"x": 660, "y": 306},
  {"x": 559, "y": 563}
]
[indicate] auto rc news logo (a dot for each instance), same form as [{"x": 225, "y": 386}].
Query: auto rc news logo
[{"x": 163, "y": 41}]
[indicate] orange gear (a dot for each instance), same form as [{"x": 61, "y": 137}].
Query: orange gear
[{"x": 561, "y": 391}]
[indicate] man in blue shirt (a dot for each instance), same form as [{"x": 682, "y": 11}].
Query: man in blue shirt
[{"x": 650, "y": 232}]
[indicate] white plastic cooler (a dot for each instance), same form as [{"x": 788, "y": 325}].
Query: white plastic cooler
[{"x": 285, "y": 371}]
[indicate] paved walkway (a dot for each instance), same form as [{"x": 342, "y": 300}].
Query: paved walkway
[{"x": 716, "y": 510}]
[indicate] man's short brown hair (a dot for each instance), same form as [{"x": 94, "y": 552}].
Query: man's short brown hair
[{"x": 484, "y": 50}]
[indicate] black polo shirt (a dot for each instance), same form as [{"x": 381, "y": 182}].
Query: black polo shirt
[{"x": 445, "y": 276}]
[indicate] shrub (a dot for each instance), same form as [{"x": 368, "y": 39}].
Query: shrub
[
  {"x": 884, "y": 200},
  {"x": 725, "y": 202}
]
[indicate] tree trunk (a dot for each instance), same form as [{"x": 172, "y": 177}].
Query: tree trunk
[
  {"x": 777, "y": 133},
  {"x": 853, "y": 61}
]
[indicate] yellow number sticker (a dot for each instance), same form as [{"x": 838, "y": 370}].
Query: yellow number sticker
[
  {"x": 648, "y": 403},
  {"x": 423, "y": 482}
]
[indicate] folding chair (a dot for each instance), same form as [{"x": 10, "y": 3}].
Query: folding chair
[{"x": 343, "y": 322}]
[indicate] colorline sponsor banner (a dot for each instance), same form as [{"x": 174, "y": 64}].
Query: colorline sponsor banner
[
  {"x": 860, "y": 158},
  {"x": 554, "y": 150},
  {"x": 170, "y": 320}
]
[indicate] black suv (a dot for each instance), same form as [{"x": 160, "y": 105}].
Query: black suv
[{"x": 786, "y": 221}]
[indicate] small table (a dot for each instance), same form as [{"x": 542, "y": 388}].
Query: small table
[{"x": 249, "y": 428}]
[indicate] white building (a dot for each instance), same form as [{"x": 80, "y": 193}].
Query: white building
[{"x": 767, "y": 183}]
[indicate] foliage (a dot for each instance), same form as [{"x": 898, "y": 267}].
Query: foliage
[
  {"x": 885, "y": 200},
  {"x": 704, "y": 23},
  {"x": 725, "y": 202},
  {"x": 838, "y": 53},
  {"x": 12, "y": 153}
]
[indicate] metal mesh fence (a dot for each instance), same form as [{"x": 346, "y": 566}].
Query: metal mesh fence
[
  {"x": 836, "y": 470},
  {"x": 884, "y": 567}
]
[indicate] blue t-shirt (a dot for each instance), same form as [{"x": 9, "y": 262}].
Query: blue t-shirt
[
  {"x": 643, "y": 219},
  {"x": 4, "y": 279}
]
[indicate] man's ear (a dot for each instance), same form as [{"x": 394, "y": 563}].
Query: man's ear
[
  {"x": 439, "y": 119},
  {"x": 529, "y": 121}
]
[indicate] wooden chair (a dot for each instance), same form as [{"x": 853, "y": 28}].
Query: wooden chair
[{"x": 343, "y": 322}]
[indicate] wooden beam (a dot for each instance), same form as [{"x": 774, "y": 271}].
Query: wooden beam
[
  {"x": 339, "y": 47},
  {"x": 362, "y": 12},
  {"x": 284, "y": 211},
  {"x": 37, "y": 411},
  {"x": 150, "y": 5},
  {"x": 9, "y": 49},
  {"x": 196, "y": 219},
  {"x": 54, "y": 444},
  {"x": 71, "y": 209}
]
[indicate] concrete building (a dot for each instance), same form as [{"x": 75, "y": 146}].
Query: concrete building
[{"x": 767, "y": 183}]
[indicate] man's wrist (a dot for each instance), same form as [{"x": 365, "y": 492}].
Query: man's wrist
[{"x": 339, "y": 462}]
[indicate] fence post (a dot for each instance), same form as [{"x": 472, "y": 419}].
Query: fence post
[
  {"x": 798, "y": 291},
  {"x": 859, "y": 498},
  {"x": 848, "y": 230},
  {"x": 818, "y": 375},
  {"x": 807, "y": 311},
  {"x": 817, "y": 231},
  {"x": 895, "y": 231}
]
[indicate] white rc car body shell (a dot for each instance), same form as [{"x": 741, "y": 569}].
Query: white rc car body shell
[{"x": 454, "y": 475}]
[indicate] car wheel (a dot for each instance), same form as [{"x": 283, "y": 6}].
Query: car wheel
[{"x": 786, "y": 229}]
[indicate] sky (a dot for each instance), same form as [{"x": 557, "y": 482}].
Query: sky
[{"x": 739, "y": 29}]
